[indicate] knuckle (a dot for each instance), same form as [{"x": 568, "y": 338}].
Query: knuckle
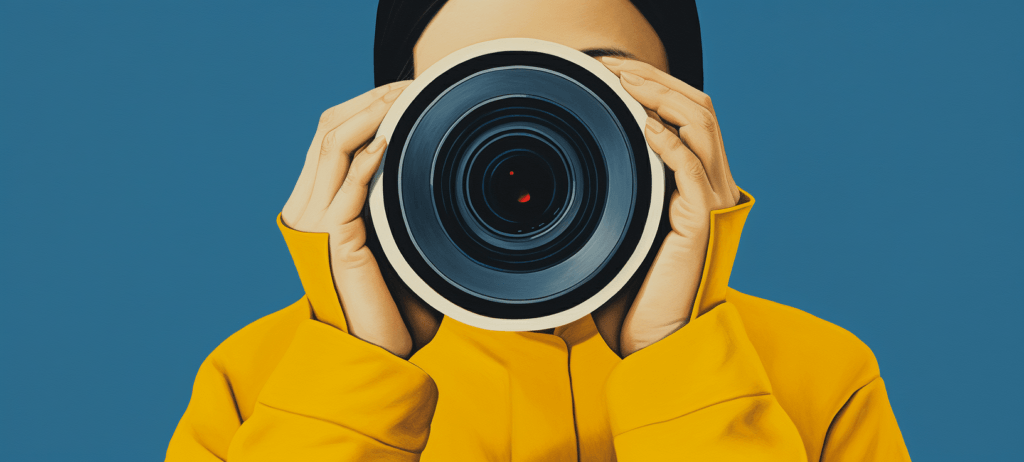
[
  {"x": 327, "y": 116},
  {"x": 674, "y": 143},
  {"x": 708, "y": 121},
  {"x": 366, "y": 116},
  {"x": 694, "y": 169},
  {"x": 345, "y": 190},
  {"x": 357, "y": 170},
  {"x": 670, "y": 142},
  {"x": 671, "y": 113},
  {"x": 705, "y": 101},
  {"x": 659, "y": 88},
  {"x": 329, "y": 143}
]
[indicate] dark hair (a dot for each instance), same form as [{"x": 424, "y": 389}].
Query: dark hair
[{"x": 400, "y": 23}]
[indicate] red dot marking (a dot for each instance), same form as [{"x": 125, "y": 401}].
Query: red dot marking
[
  {"x": 510, "y": 173},
  {"x": 524, "y": 198}
]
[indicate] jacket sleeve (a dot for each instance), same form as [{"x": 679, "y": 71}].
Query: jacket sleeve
[
  {"x": 331, "y": 397},
  {"x": 699, "y": 394},
  {"x": 211, "y": 419},
  {"x": 335, "y": 397},
  {"x": 865, "y": 429},
  {"x": 307, "y": 392}
]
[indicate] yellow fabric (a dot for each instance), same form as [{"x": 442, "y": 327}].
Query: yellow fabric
[
  {"x": 747, "y": 380},
  {"x": 723, "y": 241},
  {"x": 312, "y": 258}
]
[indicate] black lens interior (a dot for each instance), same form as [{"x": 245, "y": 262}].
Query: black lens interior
[
  {"x": 518, "y": 184},
  {"x": 521, "y": 184}
]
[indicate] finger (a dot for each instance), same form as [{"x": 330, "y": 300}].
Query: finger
[
  {"x": 698, "y": 127},
  {"x": 349, "y": 200},
  {"x": 671, "y": 106},
  {"x": 688, "y": 171},
  {"x": 330, "y": 119},
  {"x": 650, "y": 72},
  {"x": 340, "y": 144},
  {"x": 673, "y": 277},
  {"x": 655, "y": 116},
  {"x": 335, "y": 115},
  {"x": 369, "y": 307}
]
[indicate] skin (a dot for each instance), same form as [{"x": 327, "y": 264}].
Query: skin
[{"x": 683, "y": 130}]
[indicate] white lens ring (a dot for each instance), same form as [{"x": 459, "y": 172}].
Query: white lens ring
[{"x": 390, "y": 247}]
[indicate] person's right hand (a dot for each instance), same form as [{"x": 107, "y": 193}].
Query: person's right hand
[{"x": 329, "y": 198}]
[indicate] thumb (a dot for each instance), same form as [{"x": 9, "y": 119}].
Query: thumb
[{"x": 665, "y": 300}]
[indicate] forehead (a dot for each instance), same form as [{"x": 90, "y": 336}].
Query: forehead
[{"x": 580, "y": 24}]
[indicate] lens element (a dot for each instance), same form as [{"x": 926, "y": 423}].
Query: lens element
[
  {"x": 517, "y": 185},
  {"x": 523, "y": 204},
  {"x": 520, "y": 184}
]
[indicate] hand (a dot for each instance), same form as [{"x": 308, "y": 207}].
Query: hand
[
  {"x": 695, "y": 154},
  {"x": 329, "y": 198}
]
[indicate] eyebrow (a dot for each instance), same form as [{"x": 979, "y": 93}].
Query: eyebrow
[{"x": 599, "y": 52}]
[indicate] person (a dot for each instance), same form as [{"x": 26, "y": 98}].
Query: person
[{"x": 676, "y": 366}]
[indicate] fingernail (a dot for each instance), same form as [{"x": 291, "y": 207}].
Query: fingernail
[
  {"x": 632, "y": 79},
  {"x": 392, "y": 95},
  {"x": 375, "y": 145},
  {"x": 611, "y": 60},
  {"x": 654, "y": 125}
]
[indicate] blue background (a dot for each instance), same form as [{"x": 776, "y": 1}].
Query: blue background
[{"x": 147, "y": 147}]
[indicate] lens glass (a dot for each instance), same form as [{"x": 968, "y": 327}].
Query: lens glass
[
  {"x": 521, "y": 184},
  {"x": 512, "y": 186},
  {"x": 517, "y": 185}
]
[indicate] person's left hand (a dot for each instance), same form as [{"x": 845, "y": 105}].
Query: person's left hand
[{"x": 690, "y": 143}]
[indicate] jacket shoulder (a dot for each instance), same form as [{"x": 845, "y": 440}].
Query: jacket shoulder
[
  {"x": 814, "y": 366},
  {"x": 249, "y": 356},
  {"x": 786, "y": 336}
]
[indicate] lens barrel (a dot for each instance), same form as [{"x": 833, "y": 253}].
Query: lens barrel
[{"x": 517, "y": 190}]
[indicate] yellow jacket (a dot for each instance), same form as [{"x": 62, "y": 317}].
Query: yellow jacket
[{"x": 747, "y": 380}]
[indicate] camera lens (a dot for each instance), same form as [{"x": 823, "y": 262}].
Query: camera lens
[
  {"x": 516, "y": 185},
  {"x": 517, "y": 205},
  {"x": 519, "y": 184}
]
